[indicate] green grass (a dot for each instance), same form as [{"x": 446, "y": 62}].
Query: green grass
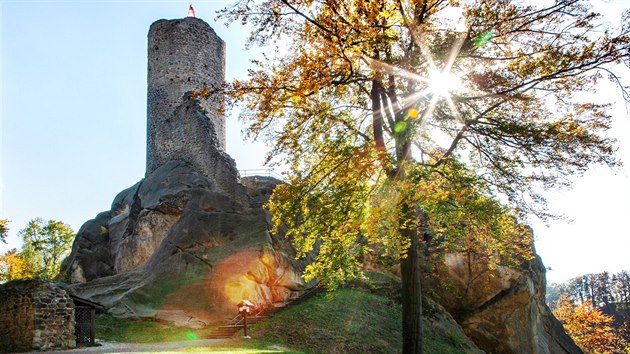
[
  {"x": 352, "y": 321},
  {"x": 346, "y": 321},
  {"x": 113, "y": 329},
  {"x": 436, "y": 342}
]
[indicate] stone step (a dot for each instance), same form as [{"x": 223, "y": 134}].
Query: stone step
[
  {"x": 236, "y": 324},
  {"x": 227, "y": 330},
  {"x": 212, "y": 336}
]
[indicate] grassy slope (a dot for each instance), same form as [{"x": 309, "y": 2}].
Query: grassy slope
[
  {"x": 351, "y": 321},
  {"x": 347, "y": 321}
]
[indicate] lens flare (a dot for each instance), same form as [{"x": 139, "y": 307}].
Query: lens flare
[
  {"x": 443, "y": 83},
  {"x": 239, "y": 288},
  {"x": 482, "y": 39},
  {"x": 400, "y": 127}
]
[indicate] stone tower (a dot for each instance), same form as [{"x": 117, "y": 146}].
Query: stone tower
[{"x": 183, "y": 55}]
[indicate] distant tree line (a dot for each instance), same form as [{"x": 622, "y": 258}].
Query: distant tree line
[
  {"x": 590, "y": 328},
  {"x": 45, "y": 244},
  {"x": 4, "y": 229},
  {"x": 601, "y": 289},
  {"x": 595, "y": 310}
]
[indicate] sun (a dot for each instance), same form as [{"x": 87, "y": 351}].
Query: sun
[{"x": 442, "y": 84}]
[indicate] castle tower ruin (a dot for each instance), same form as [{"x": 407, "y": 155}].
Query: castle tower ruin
[{"x": 183, "y": 55}]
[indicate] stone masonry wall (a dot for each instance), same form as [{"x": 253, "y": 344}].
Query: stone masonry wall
[
  {"x": 183, "y": 55},
  {"x": 35, "y": 315}
]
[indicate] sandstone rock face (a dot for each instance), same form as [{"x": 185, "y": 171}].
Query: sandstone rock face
[
  {"x": 189, "y": 136},
  {"x": 185, "y": 247},
  {"x": 35, "y": 315},
  {"x": 91, "y": 257},
  {"x": 503, "y": 309},
  {"x": 189, "y": 241}
]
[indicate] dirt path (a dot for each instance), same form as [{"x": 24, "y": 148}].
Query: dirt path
[{"x": 199, "y": 346}]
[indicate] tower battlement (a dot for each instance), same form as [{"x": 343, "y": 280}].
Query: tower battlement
[{"x": 183, "y": 55}]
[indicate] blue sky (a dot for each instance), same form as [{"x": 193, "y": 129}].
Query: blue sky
[{"x": 74, "y": 125}]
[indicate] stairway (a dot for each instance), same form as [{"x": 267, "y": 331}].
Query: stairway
[{"x": 236, "y": 324}]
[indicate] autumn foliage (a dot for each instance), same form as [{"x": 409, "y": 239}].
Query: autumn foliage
[
  {"x": 589, "y": 327},
  {"x": 402, "y": 120},
  {"x": 14, "y": 266}
]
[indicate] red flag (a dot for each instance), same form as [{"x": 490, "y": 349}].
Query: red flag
[{"x": 191, "y": 11}]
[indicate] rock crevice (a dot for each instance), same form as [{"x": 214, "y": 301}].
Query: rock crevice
[{"x": 503, "y": 309}]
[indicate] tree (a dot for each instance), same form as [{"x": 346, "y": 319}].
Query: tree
[
  {"x": 621, "y": 287},
  {"x": 370, "y": 103},
  {"x": 553, "y": 293},
  {"x": 589, "y": 327},
  {"x": 4, "y": 230},
  {"x": 44, "y": 246},
  {"x": 600, "y": 289},
  {"x": 13, "y": 266}
]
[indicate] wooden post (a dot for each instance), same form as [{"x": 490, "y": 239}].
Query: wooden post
[
  {"x": 245, "y": 324},
  {"x": 92, "y": 325}
]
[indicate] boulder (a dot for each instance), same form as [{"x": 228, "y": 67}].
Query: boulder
[
  {"x": 90, "y": 257},
  {"x": 185, "y": 245},
  {"x": 503, "y": 309},
  {"x": 440, "y": 327}
]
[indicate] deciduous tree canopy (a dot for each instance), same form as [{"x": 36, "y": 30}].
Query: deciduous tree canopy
[
  {"x": 401, "y": 119},
  {"x": 13, "y": 266},
  {"x": 601, "y": 289},
  {"x": 45, "y": 244},
  {"x": 589, "y": 327}
]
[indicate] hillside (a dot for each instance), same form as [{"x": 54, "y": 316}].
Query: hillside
[
  {"x": 346, "y": 321},
  {"x": 355, "y": 321}
]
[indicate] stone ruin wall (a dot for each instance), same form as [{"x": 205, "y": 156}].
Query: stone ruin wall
[
  {"x": 35, "y": 315},
  {"x": 183, "y": 55}
]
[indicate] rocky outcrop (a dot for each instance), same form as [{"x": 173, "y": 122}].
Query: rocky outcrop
[
  {"x": 35, "y": 315},
  {"x": 189, "y": 241},
  {"x": 189, "y": 136},
  {"x": 439, "y": 326},
  {"x": 503, "y": 309},
  {"x": 184, "y": 246}
]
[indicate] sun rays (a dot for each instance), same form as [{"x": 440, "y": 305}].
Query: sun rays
[
  {"x": 427, "y": 80},
  {"x": 441, "y": 83}
]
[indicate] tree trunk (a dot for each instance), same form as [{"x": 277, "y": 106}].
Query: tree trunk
[
  {"x": 411, "y": 267},
  {"x": 377, "y": 117},
  {"x": 411, "y": 271}
]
